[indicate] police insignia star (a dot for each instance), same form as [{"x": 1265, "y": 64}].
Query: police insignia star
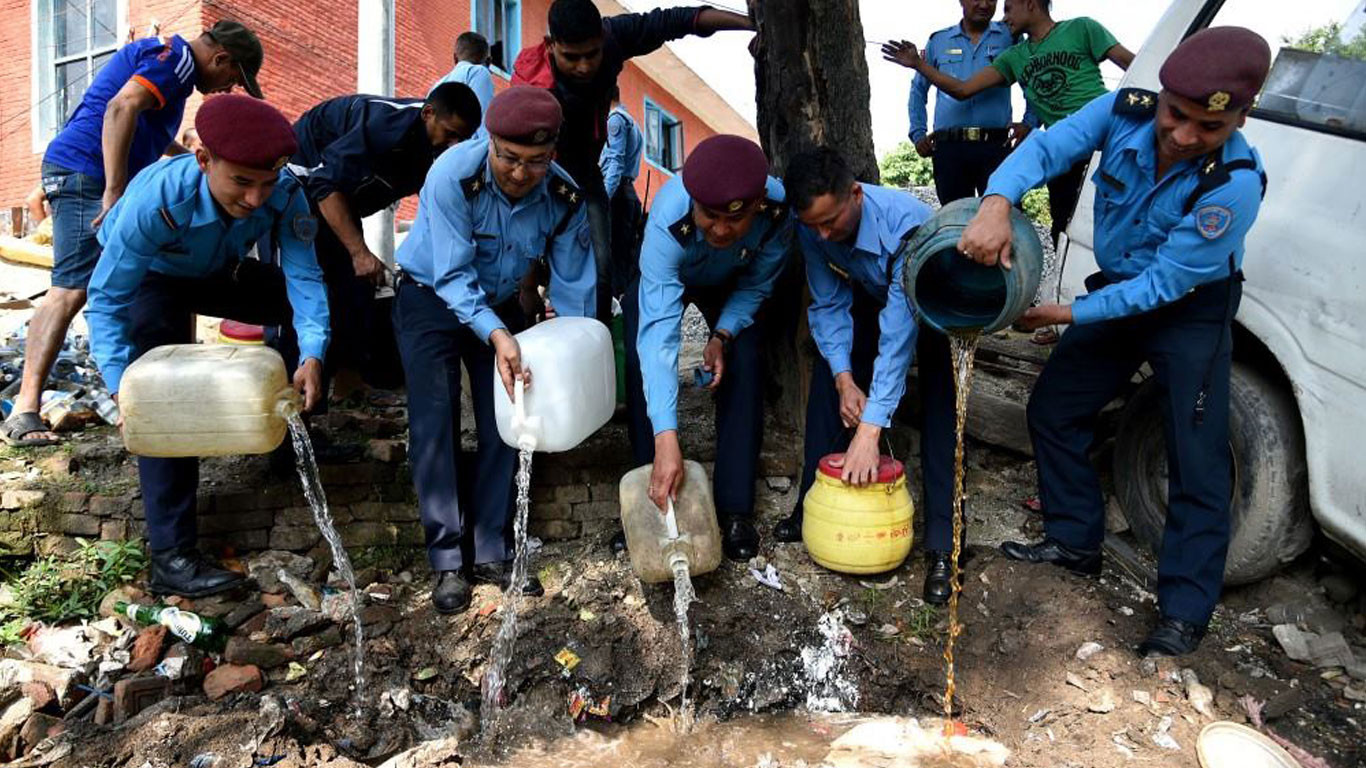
[
  {"x": 1213, "y": 221},
  {"x": 1218, "y": 101}
]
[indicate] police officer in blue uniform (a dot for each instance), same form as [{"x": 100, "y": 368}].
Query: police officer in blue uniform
[
  {"x": 490, "y": 210},
  {"x": 972, "y": 136},
  {"x": 717, "y": 236},
  {"x": 1177, "y": 189},
  {"x": 851, "y": 235},
  {"x": 620, "y": 165},
  {"x": 360, "y": 154},
  {"x": 174, "y": 245}
]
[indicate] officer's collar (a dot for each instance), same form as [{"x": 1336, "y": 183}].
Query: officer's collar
[
  {"x": 869, "y": 236},
  {"x": 208, "y": 211},
  {"x": 1145, "y": 154}
]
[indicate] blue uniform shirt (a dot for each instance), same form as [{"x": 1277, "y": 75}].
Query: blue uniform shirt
[
  {"x": 478, "y": 78},
  {"x": 951, "y": 51},
  {"x": 164, "y": 66},
  {"x": 473, "y": 245},
  {"x": 167, "y": 222},
  {"x": 1145, "y": 240},
  {"x": 621, "y": 157},
  {"x": 674, "y": 257},
  {"x": 888, "y": 215}
]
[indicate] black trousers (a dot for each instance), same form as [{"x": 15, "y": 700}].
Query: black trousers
[
  {"x": 250, "y": 292},
  {"x": 825, "y": 432},
  {"x": 432, "y": 344},
  {"x": 739, "y": 403},
  {"x": 1090, "y": 366},
  {"x": 626, "y": 217},
  {"x": 1063, "y": 193},
  {"x": 962, "y": 168},
  {"x": 362, "y": 338},
  {"x": 600, "y": 228}
]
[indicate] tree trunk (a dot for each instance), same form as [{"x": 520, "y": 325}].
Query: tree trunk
[{"x": 812, "y": 90}]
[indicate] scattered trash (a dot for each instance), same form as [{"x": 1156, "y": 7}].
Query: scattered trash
[
  {"x": 880, "y": 585},
  {"x": 206, "y": 760},
  {"x": 1101, "y": 702},
  {"x": 307, "y": 596},
  {"x": 1125, "y": 610},
  {"x": 1201, "y": 698},
  {"x": 426, "y": 673},
  {"x": 582, "y": 705},
  {"x": 295, "y": 672},
  {"x": 567, "y": 660},
  {"x": 769, "y": 577},
  {"x": 1040, "y": 715},
  {"x": 1087, "y": 650},
  {"x": 1162, "y": 738},
  {"x": 586, "y": 615},
  {"x": 1074, "y": 680}
]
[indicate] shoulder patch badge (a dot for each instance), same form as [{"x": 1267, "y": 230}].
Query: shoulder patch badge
[
  {"x": 565, "y": 191},
  {"x": 1135, "y": 102},
  {"x": 1213, "y": 221},
  {"x": 305, "y": 227},
  {"x": 683, "y": 229}
]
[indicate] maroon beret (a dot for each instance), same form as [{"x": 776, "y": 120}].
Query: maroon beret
[
  {"x": 245, "y": 131},
  {"x": 524, "y": 114},
  {"x": 725, "y": 172},
  {"x": 1220, "y": 67}
]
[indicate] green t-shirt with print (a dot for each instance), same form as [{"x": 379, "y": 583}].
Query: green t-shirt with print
[{"x": 1060, "y": 73}]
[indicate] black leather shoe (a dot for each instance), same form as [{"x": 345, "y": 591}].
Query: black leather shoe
[
  {"x": 501, "y": 574},
  {"x": 938, "y": 577},
  {"x": 1171, "y": 637},
  {"x": 1081, "y": 561},
  {"x": 452, "y": 592},
  {"x": 789, "y": 529},
  {"x": 186, "y": 573},
  {"x": 739, "y": 540},
  {"x": 618, "y": 543}
]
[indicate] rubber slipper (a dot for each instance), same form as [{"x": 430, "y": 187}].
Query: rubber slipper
[{"x": 19, "y": 425}]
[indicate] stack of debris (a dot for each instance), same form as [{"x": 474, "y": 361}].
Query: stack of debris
[{"x": 74, "y": 394}]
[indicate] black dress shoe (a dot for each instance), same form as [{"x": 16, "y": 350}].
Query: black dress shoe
[
  {"x": 1172, "y": 637},
  {"x": 452, "y": 592},
  {"x": 938, "y": 577},
  {"x": 501, "y": 574},
  {"x": 789, "y": 529},
  {"x": 185, "y": 572},
  {"x": 739, "y": 540},
  {"x": 618, "y": 543},
  {"x": 1081, "y": 561}
]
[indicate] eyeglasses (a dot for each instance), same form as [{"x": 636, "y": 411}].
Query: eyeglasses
[{"x": 517, "y": 162}]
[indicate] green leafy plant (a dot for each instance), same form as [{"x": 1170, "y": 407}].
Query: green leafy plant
[
  {"x": 60, "y": 587},
  {"x": 921, "y": 621},
  {"x": 902, "y": 168},
  {"x": 1035, "y": 206},
  {"x": 1327, "y": 39}
]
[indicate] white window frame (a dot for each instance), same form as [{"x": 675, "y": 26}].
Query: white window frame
[
  {"x": 44, "y": 119},
  {"x": 511, "y": 11},
  {"x": 657, "y": 121}
]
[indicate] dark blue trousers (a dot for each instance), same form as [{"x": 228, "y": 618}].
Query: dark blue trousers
[
  {"x": 825, "y": 432},
  {"x": 250, "y": 292},
  {"x": 1091, "y": 365},
  {"x": 432, "y": 344},
  {"x": 739, "y": 403}
]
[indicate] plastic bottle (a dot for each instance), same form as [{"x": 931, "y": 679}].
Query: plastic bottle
[
  {"x": 203, "y": 632},
  {"x": 689, "y": 531},
  {"x": 574, "y": 385},
  {"x": 206, "y": 400}
]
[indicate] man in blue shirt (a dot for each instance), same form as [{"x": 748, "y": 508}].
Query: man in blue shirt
[
  {"x": 358, "y": 155},
  {"x": 127, "y": 118},
  {"x": 1177, "y": 189},
  {"x": 490, "y": 210},
  {"x": 717, "y": 236},
  {"x": 851, "y": 236},
  {"x": 973, "y": 136},
  {"x": 620, "y": 165},
  {"x": 472, "y": 69},
  {"x": 174, "y": 246}
]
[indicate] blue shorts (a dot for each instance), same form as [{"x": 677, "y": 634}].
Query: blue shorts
[{"x": 76, "y": 200}]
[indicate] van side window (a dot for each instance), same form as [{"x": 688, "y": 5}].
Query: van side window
[{"x": 1318, "y": 69}]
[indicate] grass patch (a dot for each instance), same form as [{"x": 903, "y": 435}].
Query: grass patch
[{"x": 921, "y": 621}]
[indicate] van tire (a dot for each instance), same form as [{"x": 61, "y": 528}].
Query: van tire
[{"x": 1271, "y": 521}]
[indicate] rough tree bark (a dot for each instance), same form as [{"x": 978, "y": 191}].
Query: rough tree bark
[{"x": 812, "y": 90}]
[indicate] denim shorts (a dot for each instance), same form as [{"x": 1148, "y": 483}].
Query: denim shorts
[{"x": 76, "y": 200}]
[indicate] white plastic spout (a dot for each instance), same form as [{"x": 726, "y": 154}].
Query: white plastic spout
[
  {"x": 670, "y": 521},
  {"x": 526, "y": 427}
]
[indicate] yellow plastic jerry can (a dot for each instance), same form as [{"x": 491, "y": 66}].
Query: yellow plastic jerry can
[{"x": 858, "y": 530}]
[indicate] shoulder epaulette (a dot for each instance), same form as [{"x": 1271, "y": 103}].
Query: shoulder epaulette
[
  {"x": 683, "y": 229},
  {"x": 775, "y": 210},
  {"x": 1135, "y": 102},
  {"x": 1213, "y": 172},
  {"x": 566, "y": 191},
  {"x": 474, "y": 183}
]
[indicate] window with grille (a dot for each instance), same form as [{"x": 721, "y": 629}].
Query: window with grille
[
  {"x": 500, "y": 22},
  {"x": 75, "y": 38}
]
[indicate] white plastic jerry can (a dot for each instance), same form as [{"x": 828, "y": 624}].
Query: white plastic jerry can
[
  {"x": 574, "y": 386},
  {"x": 206, "y": 400},
  {"x": 686, "y": 529}
]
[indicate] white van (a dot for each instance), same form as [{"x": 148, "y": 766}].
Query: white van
[{"x": 1298, "y": 421}]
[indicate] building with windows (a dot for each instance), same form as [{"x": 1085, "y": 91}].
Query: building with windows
[{"x": 311, "y": 56}]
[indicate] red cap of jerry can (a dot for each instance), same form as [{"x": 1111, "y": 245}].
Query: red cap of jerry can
[{"x": 888, "y": 468}]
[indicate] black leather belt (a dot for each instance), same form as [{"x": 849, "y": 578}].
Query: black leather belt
[{"x": 998, "y": 135}]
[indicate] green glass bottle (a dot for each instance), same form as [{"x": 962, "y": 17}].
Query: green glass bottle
[{"x": 203, "y": 632}]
